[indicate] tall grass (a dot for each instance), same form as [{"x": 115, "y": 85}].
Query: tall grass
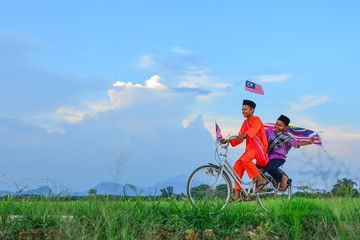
[{"x": 136, "y": 218}]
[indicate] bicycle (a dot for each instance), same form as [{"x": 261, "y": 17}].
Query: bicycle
[{"x": 210, "y": 184}]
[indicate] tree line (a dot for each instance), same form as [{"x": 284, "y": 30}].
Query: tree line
[{"x": 342, "y": 188}]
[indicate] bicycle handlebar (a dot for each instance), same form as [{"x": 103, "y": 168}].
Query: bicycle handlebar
[{"x": 225, "y": 145}]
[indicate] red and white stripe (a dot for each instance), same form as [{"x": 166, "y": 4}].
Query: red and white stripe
[{"x": 298, "y": 137}]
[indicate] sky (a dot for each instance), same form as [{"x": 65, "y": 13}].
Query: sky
[{"x": 126, "y": 91}]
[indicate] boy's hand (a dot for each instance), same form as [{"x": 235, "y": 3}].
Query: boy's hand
[
  {"x": 241, "y": 137},
  {"x": 223, "y": 141},
  {"x": 311, "y": 140}
]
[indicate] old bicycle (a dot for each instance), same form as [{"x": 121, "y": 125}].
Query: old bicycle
[{"x": 210, "y": 184}]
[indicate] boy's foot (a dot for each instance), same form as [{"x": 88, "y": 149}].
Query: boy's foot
[
  {"x": 274, "y": 183},
  {"x": 261, "y": 182},
  {"x": 260, "y": 186},
  {"x": 283, "y": 184},
  {"x": 237, "y": 195}
]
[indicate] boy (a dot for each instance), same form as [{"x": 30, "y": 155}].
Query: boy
[
  {"x": 256, "y": 147},
  {"x": 279, "y": 144}
]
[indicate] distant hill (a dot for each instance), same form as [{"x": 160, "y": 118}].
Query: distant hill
[
  {"x": 43, "y": 190},
  {"x": 110, "y": 188}
]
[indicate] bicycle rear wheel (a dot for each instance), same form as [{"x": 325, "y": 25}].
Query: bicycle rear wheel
[
  {"x": 207, "y": 187},
  {"x": 269, "y": 197}
]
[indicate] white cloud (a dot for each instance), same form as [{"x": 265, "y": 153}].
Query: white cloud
[
  {"x": 127, "y": 95},
  {"x": 154, "y": 82},
  {"x": 132, "y": 93},
  {"x": 120, "y": 98},
  {"x": 308, "y": 102},
  {"x": 146, "y": 62},
  {"x": 188, "y": 85},
  {"x": 179, "y": 49},
  {"x": 228, "y": 126},
  {"x": 221, "y": 85},
  {"x": 101, "y": 106},
  {"x": 274, "y": 78},
  {"x": 198, "y": 76},
  {"x": 70, "y": 115},
  {"x": 126, "y": 84}
]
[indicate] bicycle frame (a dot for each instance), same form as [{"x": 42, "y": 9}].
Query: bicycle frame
[
  {"x": 225, "y": 166},
  {"x": 208, "y": 180}
]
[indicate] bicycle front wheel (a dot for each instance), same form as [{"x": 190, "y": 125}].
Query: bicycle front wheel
[{"x": 207, "y": 186}]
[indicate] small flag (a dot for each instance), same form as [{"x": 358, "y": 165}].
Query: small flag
[
  {"x": 253, "y": 87},
  {"x": 300, "y": 134},
  {"x": 218, "y": 132}
]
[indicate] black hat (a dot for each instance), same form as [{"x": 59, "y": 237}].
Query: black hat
[
  {"x": 284, "y": 119},
  {"x": 249, "y": 103}
]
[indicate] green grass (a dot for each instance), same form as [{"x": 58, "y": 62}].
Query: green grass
[{"x": 103, "y": 218}]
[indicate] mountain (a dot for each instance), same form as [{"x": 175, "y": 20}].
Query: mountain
[
  {"x": 43, "y": 190},
  {"x": 179, "y": 184},
  {"x": 111, "y": 188}
]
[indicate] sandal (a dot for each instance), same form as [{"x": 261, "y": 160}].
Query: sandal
[
  {"x": 274, "y": 183},
  {"x": 283, "y": 184},
  {"x": 238, "y": 197},
  {"x": 260, "y": 186},
  {"x": 283, "y": 187}
]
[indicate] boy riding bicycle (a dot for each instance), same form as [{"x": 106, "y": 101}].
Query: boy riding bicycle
[
  {"x": 279, "y": 144},
  {"x": 256, "y": 147}
]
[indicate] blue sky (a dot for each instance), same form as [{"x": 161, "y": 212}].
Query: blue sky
[{"x": 129, "y": 91}]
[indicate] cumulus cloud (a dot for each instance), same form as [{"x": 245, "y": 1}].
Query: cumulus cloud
[
  {"x": 155, "y": 82},
  {"x": 131, "y": 93},
  {"x": 126, "y": 95},
  {"x": 274, "y": 78},
  {"x": 308, "y": 102}
]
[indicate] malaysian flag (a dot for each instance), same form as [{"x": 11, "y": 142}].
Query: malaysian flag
[
  {"x": 218, "y": 132},
  {"x": 253, "y": 87},
  {"x": 300, "y": 134}
]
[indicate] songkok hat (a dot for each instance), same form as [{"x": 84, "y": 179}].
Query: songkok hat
[
  {"x": 284, "y": 119},
  {"x": 249, "y": 103}
]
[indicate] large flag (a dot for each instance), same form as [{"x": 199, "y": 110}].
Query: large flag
[
  {"x": 300, "y": 134},
  {"x": 253, "y": 87},
  {"x": 218, "y": 132}
]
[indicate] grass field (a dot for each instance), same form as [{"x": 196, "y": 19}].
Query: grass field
[{"x": 136, "y": 218}]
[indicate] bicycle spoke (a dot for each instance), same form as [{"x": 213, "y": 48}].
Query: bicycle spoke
[{"x": 207, "y": 187}]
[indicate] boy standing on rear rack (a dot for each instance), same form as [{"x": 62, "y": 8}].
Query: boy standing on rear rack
[
  {"x": 256, "y": 147},
  {"x": 279, "y": 145}
]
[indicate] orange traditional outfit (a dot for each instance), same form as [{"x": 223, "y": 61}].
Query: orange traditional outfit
[{"x": 256, "y": 147}]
